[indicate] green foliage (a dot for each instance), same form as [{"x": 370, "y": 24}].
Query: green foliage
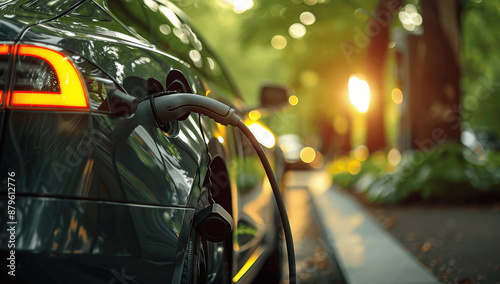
[
  {"x": 481, "y": 65},
  {"x": 314, "y": 65},
  {"x": 448, "y": 173},
  {"x": 250, "y": 66}
]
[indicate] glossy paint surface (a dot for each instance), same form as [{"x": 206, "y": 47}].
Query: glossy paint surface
[
  {"x": 88, "y": 234},
  {"x": 18, "y": 15},
  {"x": 103, "y": 191}
]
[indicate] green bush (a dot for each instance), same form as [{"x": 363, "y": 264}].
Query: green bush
[{"x": 448, "y": 173}]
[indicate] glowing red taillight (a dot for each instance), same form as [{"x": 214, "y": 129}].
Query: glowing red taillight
[
  {"x": 4, "y": 50},
  {"x": 55, "y": 84}
]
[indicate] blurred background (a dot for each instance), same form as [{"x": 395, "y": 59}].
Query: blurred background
[
  {"x": 383, "y": 90},
  {"x": 395, "y": 102}
]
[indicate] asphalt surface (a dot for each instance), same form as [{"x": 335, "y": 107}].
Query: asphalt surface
[
  {"x": 458, "y": 244},
  {"x": 314, "y": 259}
]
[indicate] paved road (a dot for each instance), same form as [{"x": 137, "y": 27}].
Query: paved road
[
  {"x": 316, "y": 262},
  {"x": 458, "y": 244},
  {"x": 314, "y": 259}
]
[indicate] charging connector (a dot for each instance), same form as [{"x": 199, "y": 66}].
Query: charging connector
[{"x": 178, "y": 106}]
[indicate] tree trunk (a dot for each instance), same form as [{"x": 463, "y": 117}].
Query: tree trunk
[
  {"x": 379, "y": 29},
  {"x": 435, "y": 94}
]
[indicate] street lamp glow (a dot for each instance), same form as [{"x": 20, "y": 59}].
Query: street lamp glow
[{"x": 359, "y": 94}]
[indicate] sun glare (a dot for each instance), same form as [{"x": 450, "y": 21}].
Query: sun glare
[{"x": 359, "y": 94}]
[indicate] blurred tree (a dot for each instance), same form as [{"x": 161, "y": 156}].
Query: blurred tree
[
  {"x": 322, "y": 50},
  {"x": 376, "y": 57},
  {"x": 312, "y": 45},
  {"x": 318, "y": 64},
  {"x": 481, "y": 66},
  {"x": 435, "y": 76}
]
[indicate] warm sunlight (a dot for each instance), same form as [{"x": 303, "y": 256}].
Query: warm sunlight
[{"x": 359, "y": 94}]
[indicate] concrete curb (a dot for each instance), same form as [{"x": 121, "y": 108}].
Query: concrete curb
[{"x": 365, "y": 252}]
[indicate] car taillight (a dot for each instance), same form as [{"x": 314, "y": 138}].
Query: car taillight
[
  {"x": 46, "y": 78},
  {"x": 50, "y": 78},
  {"x": 4, "y": 49},
  {"x": 4, "y": 58}
]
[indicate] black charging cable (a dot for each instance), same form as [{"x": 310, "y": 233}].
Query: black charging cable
[
  {"x": 177, "y": 106},
  {"x": 277, "y": 195}
]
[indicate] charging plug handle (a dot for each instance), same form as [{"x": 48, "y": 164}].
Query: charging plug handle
[{"x": 178, "y": 106}]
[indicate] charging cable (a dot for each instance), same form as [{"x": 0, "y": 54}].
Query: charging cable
[{"x": 178, "y": 106}]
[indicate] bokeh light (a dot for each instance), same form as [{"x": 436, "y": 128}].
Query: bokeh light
[
  {"x": 240, "y": 6},
  {"x": 307, "y": 155},
  {"x": 279, "y": 42},
  {"x": 307, "y": 18},
  {"x": 310, "y": 2},
  {"x": 297, "y": 30},
  {"x": 263, "y": 135},
  {"x": 354, "y": 167},
  {"x": 360, "y": 153},
  {"x": 293, "y": 100},
  {"x": 397, "y": 96},
  {"x": 410, "y": 18},
  {"x": 394, "y": 157},
  {"x": 211, "y": 63},
  {"x": 165, "y": 29},
  {"x": 170, "y": 15},
  {"x": 254, "y": 115},
  {"x": 195, "y": 56}
]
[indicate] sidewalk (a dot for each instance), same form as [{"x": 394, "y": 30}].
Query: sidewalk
[{"x": 365, "y": 251}]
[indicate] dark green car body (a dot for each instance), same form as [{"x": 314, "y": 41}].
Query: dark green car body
[{"x": 106, "y": 196}]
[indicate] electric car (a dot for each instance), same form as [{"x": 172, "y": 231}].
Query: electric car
[{"x": 92, "y": 192}]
